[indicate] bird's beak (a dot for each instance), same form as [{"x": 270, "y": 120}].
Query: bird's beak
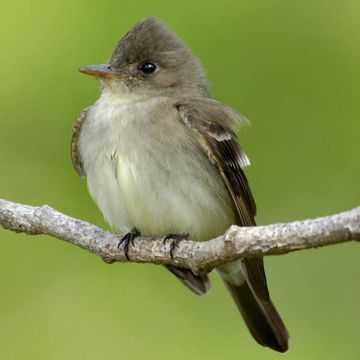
[{"x": 102, "y": 70}]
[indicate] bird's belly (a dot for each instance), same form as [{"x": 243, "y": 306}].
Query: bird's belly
[
  {"x": 168, "y": 192},
  {"x": 140, "y": 176}
]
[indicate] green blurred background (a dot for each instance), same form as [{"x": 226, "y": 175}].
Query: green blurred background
[{"x": 292, "y": 67}]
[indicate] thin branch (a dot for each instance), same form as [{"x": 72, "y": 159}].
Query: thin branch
[{"x": 198, "y": 256}]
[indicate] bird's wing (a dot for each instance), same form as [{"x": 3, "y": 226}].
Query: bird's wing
[
  {"x": 213, "y": 124},
  {"x": 75, "y": 154}
]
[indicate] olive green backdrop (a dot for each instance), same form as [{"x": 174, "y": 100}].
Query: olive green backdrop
[{"x": 292, "y": 67}]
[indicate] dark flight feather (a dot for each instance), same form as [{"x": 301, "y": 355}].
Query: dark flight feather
[{"x": 214, "y": 124}]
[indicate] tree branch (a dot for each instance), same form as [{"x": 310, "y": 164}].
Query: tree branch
[{"x": 198, "y": 256}]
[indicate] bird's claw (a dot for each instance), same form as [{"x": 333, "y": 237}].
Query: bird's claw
[
  {"x": 176, "y": 238},
  {"x": 128, "y": 239}
]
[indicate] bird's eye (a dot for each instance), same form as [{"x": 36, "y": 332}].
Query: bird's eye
[{"x": 147, "y": 68}]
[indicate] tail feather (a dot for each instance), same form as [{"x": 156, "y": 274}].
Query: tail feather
[
  {"x": 261, "y": 318},
  {"x": 254, "y": 304}
]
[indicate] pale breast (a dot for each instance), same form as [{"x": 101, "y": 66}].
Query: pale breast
[{"x": 145, "y": 169}]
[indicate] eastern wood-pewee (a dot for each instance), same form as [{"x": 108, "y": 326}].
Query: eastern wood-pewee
[{"x": 160, "y": 155}]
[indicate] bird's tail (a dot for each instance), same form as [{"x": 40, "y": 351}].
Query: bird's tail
[{"x": 246, "y": 282}]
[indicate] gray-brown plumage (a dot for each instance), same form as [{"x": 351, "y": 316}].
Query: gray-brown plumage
[{"x": 162, "y": 156}]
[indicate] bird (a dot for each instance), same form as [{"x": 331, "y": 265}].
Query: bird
[{"x": 161, "y": 157}]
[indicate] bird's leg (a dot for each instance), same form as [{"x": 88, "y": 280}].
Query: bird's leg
[
  {"x": 128, "y": 239},
  {"x": 176, "y": 238}
]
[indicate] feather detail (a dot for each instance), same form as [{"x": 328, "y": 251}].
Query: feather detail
[
  {"x": 75, "y": 153},
  {"x": 214, "y": 125}
]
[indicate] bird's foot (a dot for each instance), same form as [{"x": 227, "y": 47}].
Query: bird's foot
[
  {"x": 176, "y": 238},
  {"x": 128, "y": 239}
]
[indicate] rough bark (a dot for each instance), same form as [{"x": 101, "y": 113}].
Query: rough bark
[{"x": 198, "y": 256}]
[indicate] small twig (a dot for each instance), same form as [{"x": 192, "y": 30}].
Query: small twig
[{"x": 198, "y": 256}]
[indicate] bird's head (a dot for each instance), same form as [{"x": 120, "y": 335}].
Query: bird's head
[{"x": 150, "y": 60}]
